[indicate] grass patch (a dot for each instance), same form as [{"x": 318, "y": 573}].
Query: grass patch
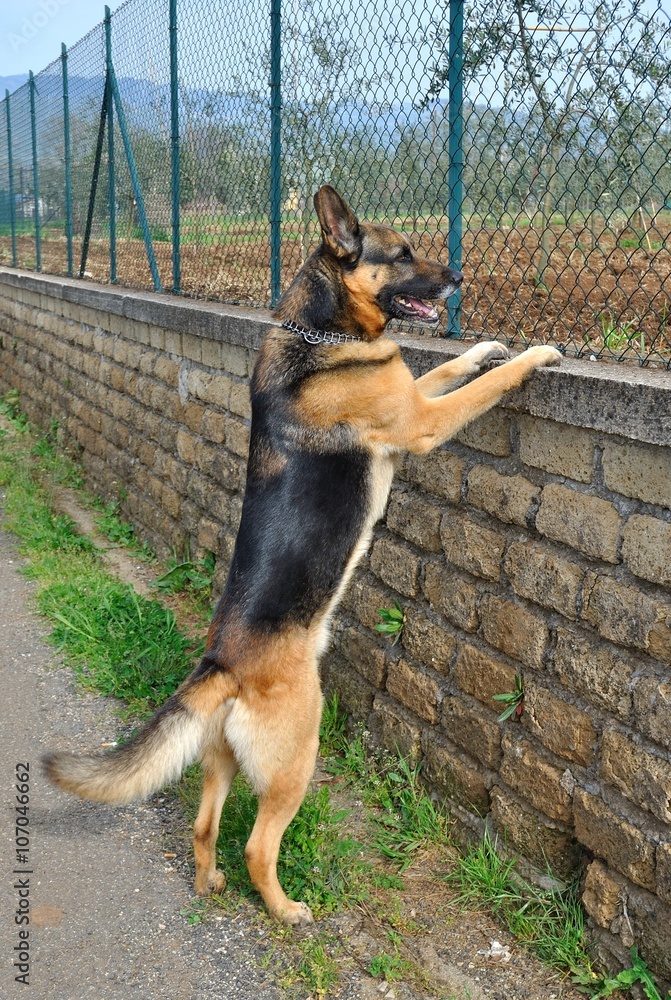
[
  {"x": 549, "y": 921},
  {"x": 319, "y": 863},
  {"x": 117, "y": 530},
  {"x": 403, "y": 817},
  {"x": 390, "y": 967},
  {"x": 191, "y": 579},
  {"x": 309, "y": 965},
  {"x": 118, "y": 643}
]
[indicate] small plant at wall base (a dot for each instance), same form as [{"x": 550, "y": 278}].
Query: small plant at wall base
[
  {"x": 393, "y": 620},
  {"x": 187, "y": 574},
  {"x": 514, "y": 700},
  {"x": 112, "y": 526},
  {"x": 638, "y": 973},
  {"x": 9, "y": 407}
]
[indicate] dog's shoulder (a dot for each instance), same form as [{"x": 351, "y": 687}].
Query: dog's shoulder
[{"x": 361, "y": 385}]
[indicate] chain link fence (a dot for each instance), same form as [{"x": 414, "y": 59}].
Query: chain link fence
[{"x": 528, "y": 143}]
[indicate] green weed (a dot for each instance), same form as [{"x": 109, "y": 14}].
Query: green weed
[
  {"x": 316, "y": 969},
  {"x": 158, "y": 234},
  {"x": 638, "y": 241},
  {"x": 307, "y": 963},
  {"x": 389, "y": 967},
  {"x": 409, "y": 819},
  {"x": 663, "y": 322},
  {"x": 638, "y": 973},
  {"x": 393, "y": 620},
  {"x": 9, "y": 407},
  {"x": 617, "y": 338},
  {"x": 111, "y": 525},
  {"x": 196, "y": 911},
  {"x": 549, "y": 921},
  {"x": 402, "y": 816},
  {"x": 185, "y": 574},
  {"x": 514, "y": 700}
]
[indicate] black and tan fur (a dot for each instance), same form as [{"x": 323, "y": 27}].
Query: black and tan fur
[{"x": 328, "y": 422}]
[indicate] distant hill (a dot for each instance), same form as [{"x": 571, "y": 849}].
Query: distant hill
[
  {"x": 147, "y": 108},
  {"x": 12, "y": 83}
]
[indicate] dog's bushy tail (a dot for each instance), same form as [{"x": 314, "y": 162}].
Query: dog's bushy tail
[{"x": 160, "y": 752}]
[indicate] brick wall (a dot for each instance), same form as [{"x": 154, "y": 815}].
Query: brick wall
[{"x": 538, "y": 543}]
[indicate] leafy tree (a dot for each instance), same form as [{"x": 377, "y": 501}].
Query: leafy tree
[{"x": 584, "y": 92}]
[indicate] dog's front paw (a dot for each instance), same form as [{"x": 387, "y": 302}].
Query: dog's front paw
[
  {"x": 489, "y": 352},
  {"x": 542, "y": 356}
]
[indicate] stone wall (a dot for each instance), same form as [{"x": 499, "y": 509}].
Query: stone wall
[{"x": 538, "y": 543}]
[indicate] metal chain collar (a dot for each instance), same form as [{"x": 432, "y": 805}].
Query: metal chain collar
[{"x": 320, "y": 336}]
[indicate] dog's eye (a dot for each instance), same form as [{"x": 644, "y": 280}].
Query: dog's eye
[{"x": 405, "y": 254}]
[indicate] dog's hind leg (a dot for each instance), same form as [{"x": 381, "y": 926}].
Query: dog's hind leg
[
  {"x": 276, "y": 745},
  {"x": 219, "y": 769},
  {"x": 277, "y": 807}
]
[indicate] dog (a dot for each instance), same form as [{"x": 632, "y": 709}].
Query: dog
[{"x": 333, "y": 407}]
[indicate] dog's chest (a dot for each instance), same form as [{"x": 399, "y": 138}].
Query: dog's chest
[
  {"x": 379, "y": 483},
  {"x": 381, "y": 472}
]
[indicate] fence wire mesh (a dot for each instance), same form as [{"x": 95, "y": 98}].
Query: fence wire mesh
[{"x": 538, "y": 133}]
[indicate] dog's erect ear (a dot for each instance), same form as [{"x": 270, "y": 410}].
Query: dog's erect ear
[{"x": 340, "y": 227}]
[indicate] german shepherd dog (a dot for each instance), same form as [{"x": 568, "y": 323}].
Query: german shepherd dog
[{"x": 333, "y": 405}]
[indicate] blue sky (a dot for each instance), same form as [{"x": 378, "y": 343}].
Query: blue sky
[{"x": 31, "y": 31}]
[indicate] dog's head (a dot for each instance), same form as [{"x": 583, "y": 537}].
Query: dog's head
[
  {"x": 362, "y": 276},
  {"x": 383, "y": 276}
]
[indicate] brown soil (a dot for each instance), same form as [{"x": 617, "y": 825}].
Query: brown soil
[
  {"x": 595, "y": 281},
  {"x": 118, "y": 560}
]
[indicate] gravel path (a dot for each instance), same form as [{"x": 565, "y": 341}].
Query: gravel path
[{"x": 104, "y": 901}]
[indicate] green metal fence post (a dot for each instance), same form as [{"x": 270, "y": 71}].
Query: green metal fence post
[
  {"x": 10, "y": 166},
  {"x": 110, "y": 147},
  {"x": 174, "y": 152},
  {"x": 137, "y": 190},
  {"x": 68, "y": 165},
  {"x": 456, "y": 156},
  {"x": 275, "y": 147},
  {"x": 36, "y": 185}
]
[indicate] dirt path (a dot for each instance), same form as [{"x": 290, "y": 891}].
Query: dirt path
[
  {"x": 104, "y": 901},
  {"x": 116, "y": 558}
]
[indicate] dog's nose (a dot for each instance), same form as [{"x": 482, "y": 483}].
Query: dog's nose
[{"x": 456, "y": 277}]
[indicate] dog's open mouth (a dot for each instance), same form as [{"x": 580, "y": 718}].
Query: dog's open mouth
[{"x": 415, "y": 309}]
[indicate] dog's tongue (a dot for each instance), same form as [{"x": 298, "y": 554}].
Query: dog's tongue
[{"x": 422, "y": 309}]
